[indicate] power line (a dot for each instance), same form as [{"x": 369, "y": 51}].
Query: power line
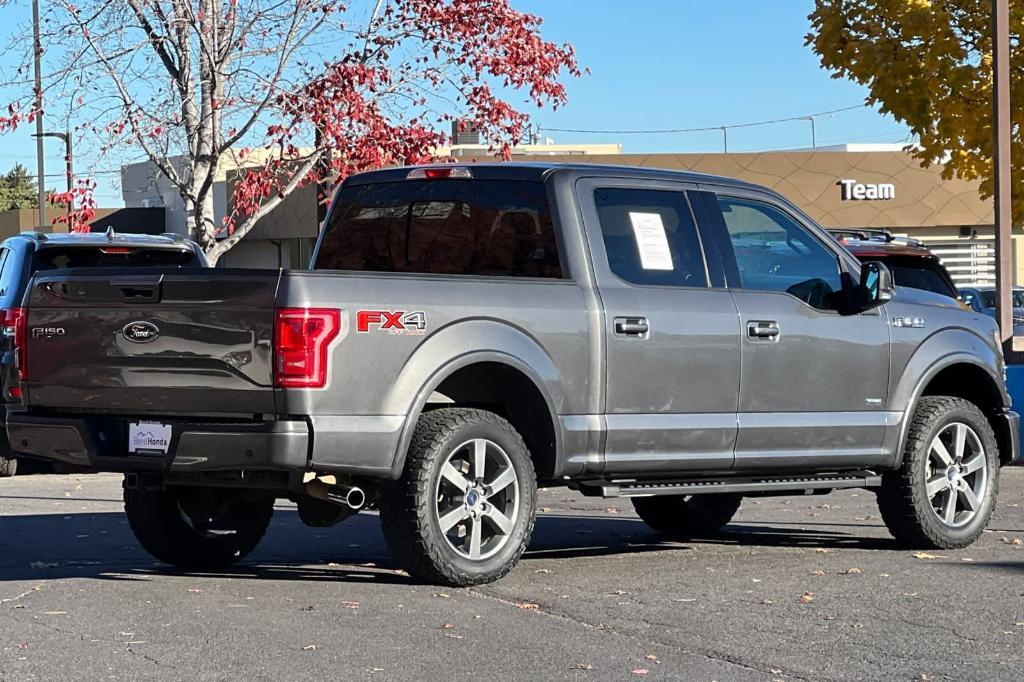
[{"x": 704, "y": 129}]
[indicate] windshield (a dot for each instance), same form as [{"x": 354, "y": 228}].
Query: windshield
[{"x": 988, "y": 298}]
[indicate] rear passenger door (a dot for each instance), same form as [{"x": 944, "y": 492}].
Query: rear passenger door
[
  {"x": 671, "y": 341},
  {"x": 814, "y": 382}
]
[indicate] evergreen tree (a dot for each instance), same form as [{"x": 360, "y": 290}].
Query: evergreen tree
[{"x": 17, "y": 189}]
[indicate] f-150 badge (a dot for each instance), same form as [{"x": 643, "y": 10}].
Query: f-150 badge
[{"x": 391, "y": 321}]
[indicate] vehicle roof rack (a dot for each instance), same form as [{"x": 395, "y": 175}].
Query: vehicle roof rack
[
  {"x": 875, "y": 234},
  {"x": 110, "y": 233}
]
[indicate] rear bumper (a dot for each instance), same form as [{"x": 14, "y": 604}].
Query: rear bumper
[
  {"x": 1012, "y": 440},
  {"x": 100, "y": 444}
]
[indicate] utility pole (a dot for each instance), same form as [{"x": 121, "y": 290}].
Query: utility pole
[
  {"x": 37, "y": 49},
  {"x": 1001, "y": 169},
  {"x": 725, "y": 140},
  {"x": 69, "y": 168}
]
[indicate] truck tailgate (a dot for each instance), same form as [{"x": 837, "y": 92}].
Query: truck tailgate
[{"x": 195, "y": 342}]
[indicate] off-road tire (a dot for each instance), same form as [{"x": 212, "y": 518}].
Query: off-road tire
[
  {"x": 161, "y": 527},
  {"x": 407, "y": 506},
  {"x": 687, "y": 516},
  {"x": 903, "y": 501},
  {"x": 8, "y": 466}
]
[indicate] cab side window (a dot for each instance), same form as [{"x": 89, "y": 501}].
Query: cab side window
[
  {"x": 776, "y": 253},
  {"x": 650, "y": 237}
]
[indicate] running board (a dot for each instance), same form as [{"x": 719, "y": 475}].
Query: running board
[{"x": 753, "y": 484}]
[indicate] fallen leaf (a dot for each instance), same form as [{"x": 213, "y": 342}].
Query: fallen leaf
[
  {"x": 23, "y": 645},
  {"x": 447, "y": 626},
  {"x": 1012, "y": 541},
  {"x": 54, "y": 613},
  {"x": 852, "y": 571},
  {"x": 309, "y": 647},
  {"x": 451, "y": 636},
  {"x": 966, "y": 558},
  {"x": 817, "y": 572},
  {"x": 651, "y": 657},
  {"x": 194, "y": 589},
  {"x": 612, "y": 510},
  {"x": 685, "y": 599},
  {"x": 640, "y": 671},
  {"x": 822, "y": 550},
  {"x": 545, "y": 510},
  {"x": 542, "y": 570},
  {"x": 350, "y": 604},
  {"x": 828, "y": 616},
  {"x": 807, "y": 598},
  {"x": 526, "y": 605},
  {"x": 925, "y": 556},
  {"x": 767, "y": 602},
  {"x": 583, "y": 666},
  {"x": 442, "y": 595}
]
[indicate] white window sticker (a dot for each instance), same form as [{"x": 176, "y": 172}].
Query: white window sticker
[{"x": 651, "y": 241}]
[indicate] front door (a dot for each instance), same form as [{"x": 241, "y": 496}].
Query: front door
[
  {"x": 672, "y": 352},
  {"x": 813, "y": 386}
]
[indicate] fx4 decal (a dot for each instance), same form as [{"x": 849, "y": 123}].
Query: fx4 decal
[{"x": 391, "y": 321}]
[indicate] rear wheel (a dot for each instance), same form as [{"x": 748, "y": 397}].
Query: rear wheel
[
  {"x": 686, "y": 516},
  {"x": 197, "y": 528},
  {"x": 944, "y": 494},
  {"x": 463, "y": 511}
]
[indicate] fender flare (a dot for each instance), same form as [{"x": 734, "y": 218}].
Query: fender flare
[
  {"x": 461, "y": 345},
  {"x": 955, "y": 347}
]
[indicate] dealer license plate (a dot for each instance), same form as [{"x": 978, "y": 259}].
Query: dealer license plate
[{"x": 148, "y": 438}]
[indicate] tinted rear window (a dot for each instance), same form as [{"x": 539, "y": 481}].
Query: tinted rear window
[
  {"x": 918, "y": 273},
  {"x": 53, "y": 257},
  {"x": 450, "y": 227}
]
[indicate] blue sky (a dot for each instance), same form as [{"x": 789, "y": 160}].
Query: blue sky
[{"x": 654, "y": 64}]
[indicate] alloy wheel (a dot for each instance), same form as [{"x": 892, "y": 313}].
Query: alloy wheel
[
  {"x": 477, "y": 499},
  {"x": 956, "y": 475}
]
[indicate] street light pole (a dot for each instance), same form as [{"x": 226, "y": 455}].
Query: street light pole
[
  {"x": 1001, "y": 168},
  {"x": 37, "y": 49},
  {"x": 814, "y": 139}
]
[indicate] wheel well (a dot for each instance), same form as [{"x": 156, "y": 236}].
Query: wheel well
[
  {"x": 974, "y": 384},
  {"x": 507, "y": 391}
]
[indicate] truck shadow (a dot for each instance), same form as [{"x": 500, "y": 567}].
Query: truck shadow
[{"x": 100, "y": 545}]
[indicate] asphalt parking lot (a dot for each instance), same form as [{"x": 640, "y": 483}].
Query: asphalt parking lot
[{"x": 800, "y": 588}]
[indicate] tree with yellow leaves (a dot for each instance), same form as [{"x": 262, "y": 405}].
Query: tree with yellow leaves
[{"x": 928, "y": 63}]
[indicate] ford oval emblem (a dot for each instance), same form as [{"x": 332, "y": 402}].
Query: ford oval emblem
[{"x": 140, "y": 332}]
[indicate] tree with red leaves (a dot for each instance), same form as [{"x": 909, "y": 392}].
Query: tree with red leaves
[{"x": 291, "y": 92}]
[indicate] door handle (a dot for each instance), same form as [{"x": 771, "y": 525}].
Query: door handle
[
  {"x": 631, "y": 326},
  {"x": 764, "y": 329}
]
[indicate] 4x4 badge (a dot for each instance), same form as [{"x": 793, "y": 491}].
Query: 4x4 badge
[{"x": 140, "y": 332}]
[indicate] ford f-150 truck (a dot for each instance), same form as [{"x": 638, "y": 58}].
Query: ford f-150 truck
[{"x": 465, "y": 332}]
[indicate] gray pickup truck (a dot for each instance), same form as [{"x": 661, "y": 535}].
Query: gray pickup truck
[{"x": 465, "y": 333}]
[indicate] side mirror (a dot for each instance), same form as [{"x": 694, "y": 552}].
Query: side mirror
[{"x": 876, "y": 285}]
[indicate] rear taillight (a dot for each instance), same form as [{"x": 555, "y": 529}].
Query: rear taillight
[
  {"x": 15, "y": 322},
  {"x": 116, "y": 250},
  {"x": 301, "y": 340}
]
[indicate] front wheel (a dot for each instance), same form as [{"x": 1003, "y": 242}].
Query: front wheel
[
  {"x": 197, "y": 528},
  {"x": 463, "y": 511},
  {"x": 944, "y": 494}
]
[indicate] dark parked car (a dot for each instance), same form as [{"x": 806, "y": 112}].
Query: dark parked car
[
  {"x": 909, "y": 261},
  {"x": 23, "y": 255}
]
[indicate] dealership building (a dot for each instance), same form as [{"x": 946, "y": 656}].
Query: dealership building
[{"x": 848, "y": 186}]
